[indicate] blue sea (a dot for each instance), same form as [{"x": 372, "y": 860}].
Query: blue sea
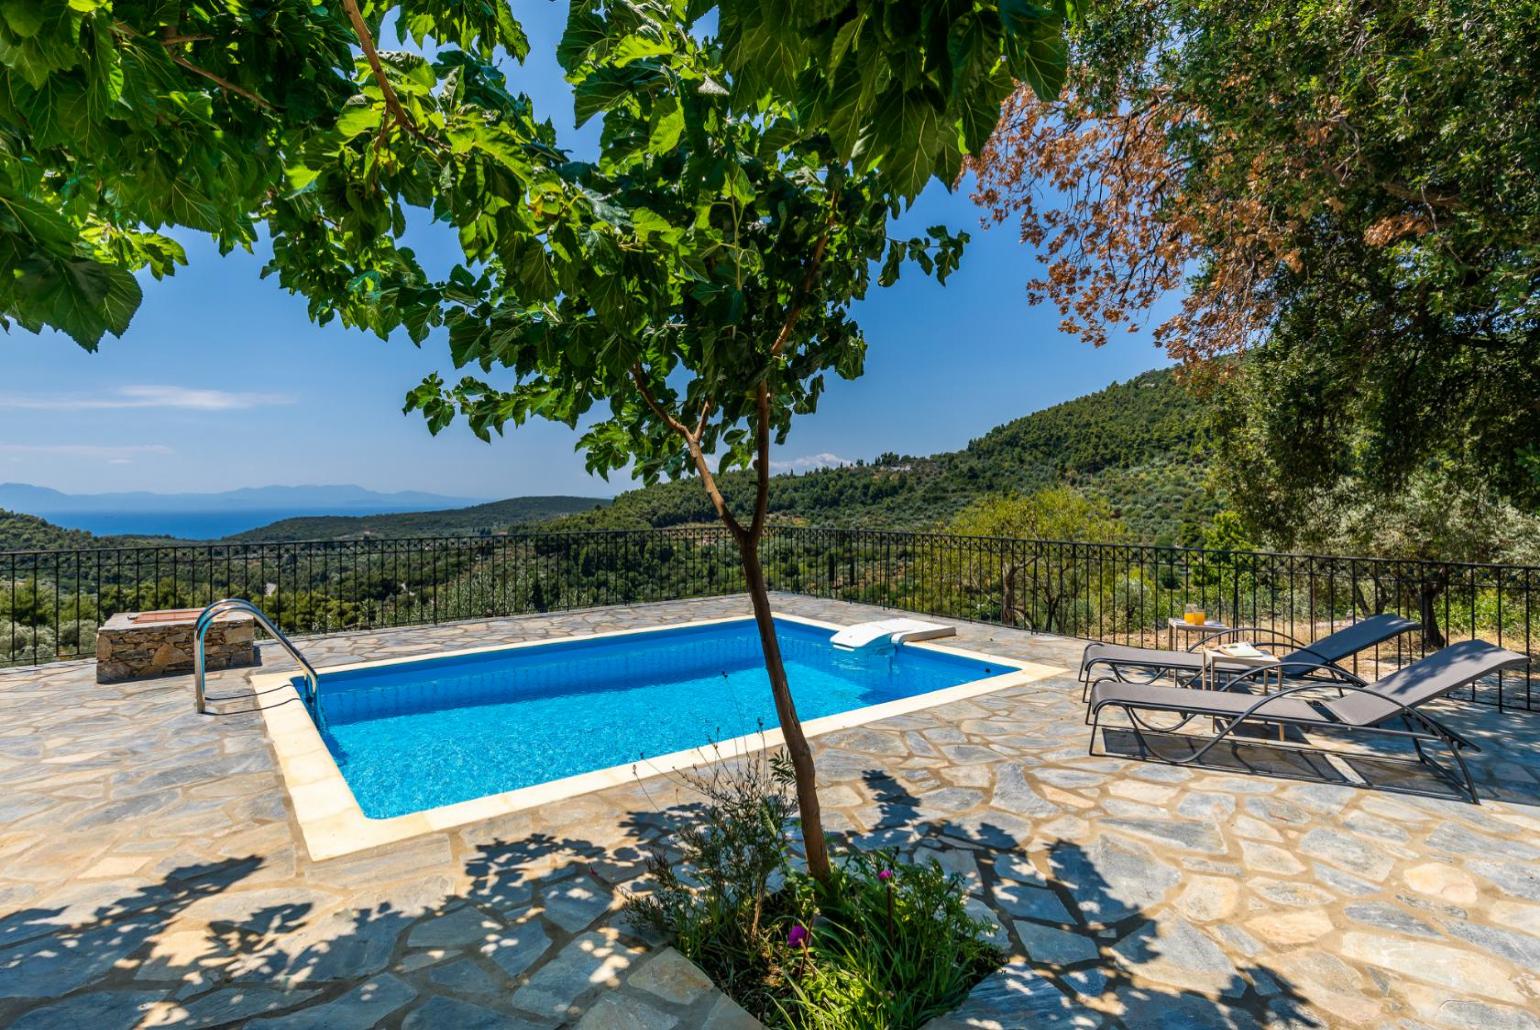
[
  {"x": 185, "y": 525},
  {"x": 432, "y": 732}
]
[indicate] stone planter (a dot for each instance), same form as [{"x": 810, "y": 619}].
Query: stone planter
[{"x": 143, "y": 645}]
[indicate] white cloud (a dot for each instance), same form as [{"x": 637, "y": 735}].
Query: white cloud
[
  {"x": 147, "y": 396},
  {"x": 117, "y": 455},
  {"x": 809, "y": 462}
]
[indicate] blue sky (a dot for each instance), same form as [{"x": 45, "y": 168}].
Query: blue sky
[{"x": 222, "y": 381}]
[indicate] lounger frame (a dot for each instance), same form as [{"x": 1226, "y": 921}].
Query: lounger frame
[
  {"x": 1432, "y": 732},
  {"x": 1184, "y": 676}
]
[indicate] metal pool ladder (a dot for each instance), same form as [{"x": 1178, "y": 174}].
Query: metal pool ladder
[{"x": 236, "y": 604}]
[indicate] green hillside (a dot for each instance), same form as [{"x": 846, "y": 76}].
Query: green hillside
[
  {"x": 482, "y": 518},
  {"x": 21, "y": 532},
  {"x": 1141, "y": 445}
]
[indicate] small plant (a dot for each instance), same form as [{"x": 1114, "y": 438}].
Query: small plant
[
  {"x": 882, "y": 943},
  {"x": 893, "y": 946},
  {"x": 715, "y": 906}
]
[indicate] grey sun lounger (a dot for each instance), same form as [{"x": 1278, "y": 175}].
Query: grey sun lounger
[
  {"x": 1317, "y": 660},
  {"x": 1358, "y": 707}
]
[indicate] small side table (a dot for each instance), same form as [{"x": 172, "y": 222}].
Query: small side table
[
  {"x": 1206, "y": 629},
  {"x": 1212, "y": 656},
  {"x": 1209, "y": 678}
]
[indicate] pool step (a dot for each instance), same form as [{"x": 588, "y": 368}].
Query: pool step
[{"x": 888, "y": 632}]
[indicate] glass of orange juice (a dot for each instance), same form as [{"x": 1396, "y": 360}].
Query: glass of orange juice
[{"x": 1189, "y": 614}]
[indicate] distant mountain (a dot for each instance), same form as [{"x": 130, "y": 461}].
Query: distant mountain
[
  {"x": 1142, "y": 445},
  {"x": 493, "y": 517}
]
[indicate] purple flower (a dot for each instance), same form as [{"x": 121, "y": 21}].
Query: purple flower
[
  {"x": 885, "y": 875},
  {"x": 797, "y": 935}
]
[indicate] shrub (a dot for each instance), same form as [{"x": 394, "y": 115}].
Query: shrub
[
  {"x": 881, "y": 944},
  {"x": 76, "y": 635},
  {"x": 717, "y": 907},
  {"x": 24, "y": 645},
  {"x": 892, "y": 945}
]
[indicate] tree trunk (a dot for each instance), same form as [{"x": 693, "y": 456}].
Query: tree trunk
[
  {"x": 791, "y": 727},
  {"x": 1427, "y": 605},
  {"x": 1008, "y": 595},
  {"x": 747, "y": 539}
]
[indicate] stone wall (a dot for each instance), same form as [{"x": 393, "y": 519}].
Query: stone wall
[{"x": 142, "y": 645}]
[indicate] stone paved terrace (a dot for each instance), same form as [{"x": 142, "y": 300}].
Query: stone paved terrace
[{"x": 150, "y": 870}]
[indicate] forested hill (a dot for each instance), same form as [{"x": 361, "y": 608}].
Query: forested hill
[
  {"x": 20, "y": 532},
  {"x": 494, "y": 517},
  {"x": 1141, "y": 445}
]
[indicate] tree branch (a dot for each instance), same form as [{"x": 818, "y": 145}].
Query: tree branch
[
  {"x": 392, "y": 101},
  {"x": 658, "y": 409},
  {"x": 170, "y": 40},
  {"x": 799, "y": 299},
  {"x": 715, "y": 493},
  {"x": 761, "y": 401},
  {"x": 1422, "y": 196},
  {"x": 219, "y": 81},
  {"x": 692, "y": 441},
  {"x": 762, "y": 392}
]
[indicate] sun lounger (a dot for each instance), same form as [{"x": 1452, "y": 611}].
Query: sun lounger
[
  {"x": 1318, "y": 660},
  {"x": 1358, "y": 708}
]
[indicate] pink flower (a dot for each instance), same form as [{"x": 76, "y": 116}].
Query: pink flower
[
  {"x": 798, "y": 937},
  {"x": 885, "y": 876}
]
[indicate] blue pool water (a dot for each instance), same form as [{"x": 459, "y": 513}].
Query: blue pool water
[{"x": 432, "y": 732}]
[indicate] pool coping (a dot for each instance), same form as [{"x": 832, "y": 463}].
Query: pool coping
[{"x": 333, "y": 824}]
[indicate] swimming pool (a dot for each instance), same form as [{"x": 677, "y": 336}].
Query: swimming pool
[{"x": 414, "y": 735}]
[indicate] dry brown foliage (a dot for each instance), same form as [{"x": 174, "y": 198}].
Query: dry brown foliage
[{"x": 1120, "y": 225}]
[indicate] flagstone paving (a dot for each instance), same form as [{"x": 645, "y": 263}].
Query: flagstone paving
[{"x": 151, "y": 872}]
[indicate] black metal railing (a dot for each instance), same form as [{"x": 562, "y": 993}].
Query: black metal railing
[
  {"x": 51, "y": 602},
  {"x": 1126, "y": 593}
]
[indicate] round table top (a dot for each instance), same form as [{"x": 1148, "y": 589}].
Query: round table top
[
  {"x": 1218, "y": 654},
  {"x": 1183, "y": 624}
]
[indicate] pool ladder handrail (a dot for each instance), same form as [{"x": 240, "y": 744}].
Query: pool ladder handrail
[{"x": 237, "y": 604}]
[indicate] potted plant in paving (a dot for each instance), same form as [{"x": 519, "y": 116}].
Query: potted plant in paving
[{"x": 878, "y": 942}]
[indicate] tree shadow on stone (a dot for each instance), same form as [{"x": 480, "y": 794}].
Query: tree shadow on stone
[
  {"x": 49, "y": 953},
  {"x": 215, "y": 944},
  {"x": 1161, "y": 968},
  {"x": 1088, "y": 924},
  {"x": 516, "y": 928},
  {"x": 1370, "y": 769},
  {"x": 897, "y": 807}
]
